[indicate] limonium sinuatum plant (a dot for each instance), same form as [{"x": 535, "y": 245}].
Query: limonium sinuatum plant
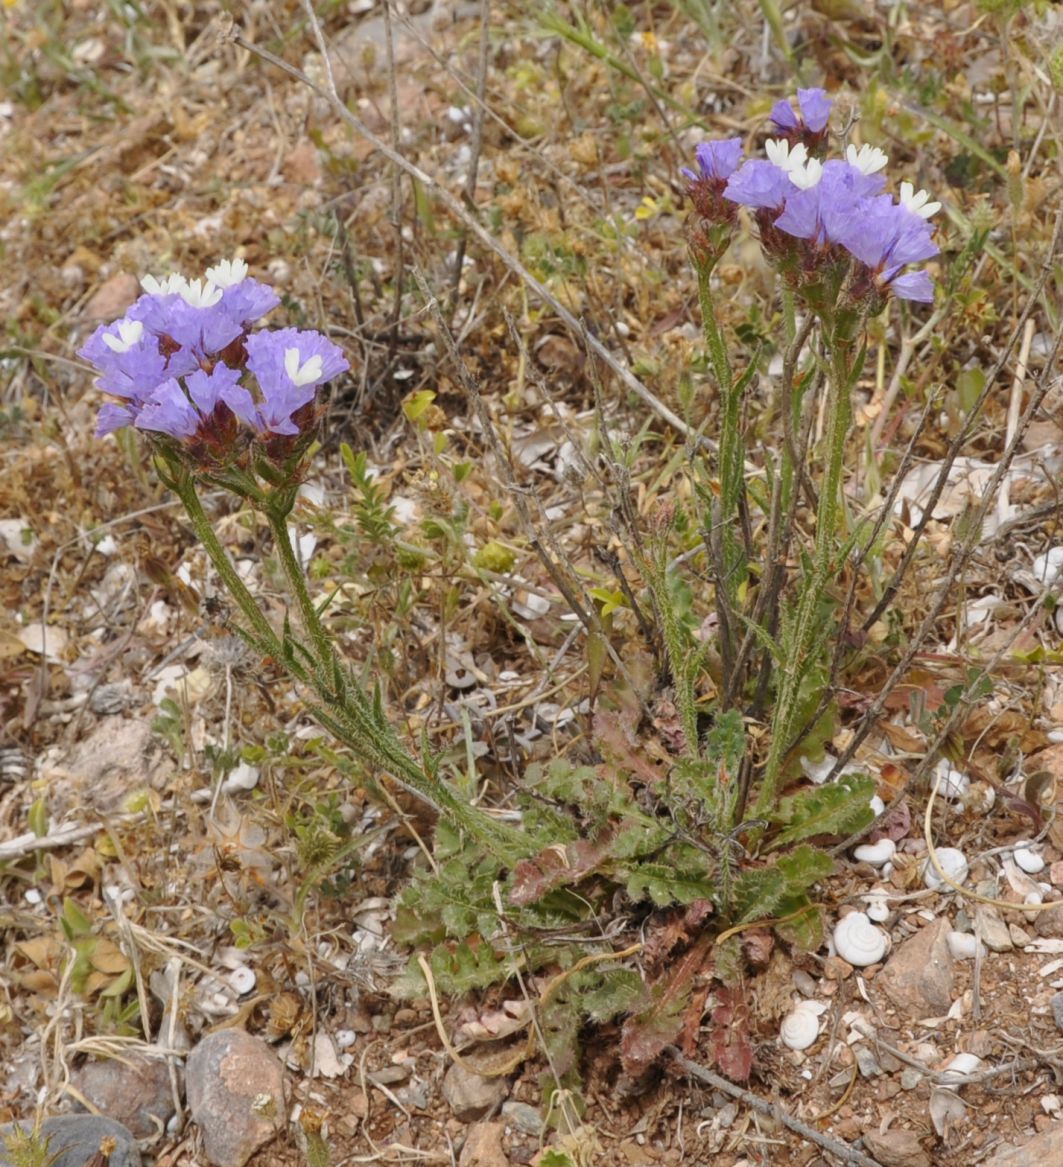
[
  {"x": 225, "y": 404},
  {"x": 843, "y": 248}
]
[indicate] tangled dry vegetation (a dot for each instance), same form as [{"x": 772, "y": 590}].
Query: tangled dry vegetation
[{"x": 168, "y": 810}]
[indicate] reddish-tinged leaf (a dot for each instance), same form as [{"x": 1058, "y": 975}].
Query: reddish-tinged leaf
[
  {"x": 731, "y": 1047},
  {"x": 559, "y": 866},
  {"x": 895, "y": 825},
  {"x": 666, "y": 930},
  {"x": 646, "y": 1034},
  {"x": 758, "y": 943},
  {"x": 616, "y": 740}
]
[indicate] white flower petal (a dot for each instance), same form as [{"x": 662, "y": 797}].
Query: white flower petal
[
  {"x": 868, "y": 159},
  {"x": 227, "y": 273},
  {"x": 200, "y": 294},
  {"x": 129, "y": 332}
]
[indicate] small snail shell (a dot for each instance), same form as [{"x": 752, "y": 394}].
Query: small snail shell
[
  {"x": 878, "y": 908},
  {"x": 950, "y": 783},
  {"x": 858, "y": 942},
  {"x": 242, "y": 980},
  {"x": 800, "y": 1027},
  {"x": 877, "y": 805},
  {"x": 1028, "y": 859},
  {"x": 953, "y": 863},
  {"x": 876, "y": 853}
]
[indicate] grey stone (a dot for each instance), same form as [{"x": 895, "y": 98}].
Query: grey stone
[
  {"x": 524, "y": 1117},
  {"x": 1057, "y": 1009},
  {"x": 918, "y": 976},
  {"x": 1049, "y": 922},
  {"x": 235, "y": 1089},
  {"x": 470, "y": 1096},
  {"x": 75, "y": 1138},
  {"x": 989, "y": 926},
  {"x": 134, "y": 1090}
]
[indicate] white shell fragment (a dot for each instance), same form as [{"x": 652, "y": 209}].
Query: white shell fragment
[
  {"x": 858, "y": 942},
  {"x": 877, "y": 854},
  {"x": 953, "y": 863},
  {"x": 959, "y": 1066},
  {"x": 1029, "y": 859},
  {"x": 964, "y": 945},
  {"x": 1048, "y": 567},
  {"x": 950, "y": 783},
  {"x": 800, "y": 1027},
  {"x": 877, "y": 805}
]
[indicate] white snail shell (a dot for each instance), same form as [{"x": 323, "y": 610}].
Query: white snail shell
[
  {"x": 963, "y": 945},
  {"x": 858, "y": 942},
  {"x": 242, "y": 980},
  {"x": 800, "y": 1027},
  {"x": 1028, "y": 859},
  {"x": 950, "y": 783},
  {"x": 877, "y": 805},
  {"x": 878, "y": 908},
  {"x": 953, "y": 863},
  {"x": 876, "y": 854}
]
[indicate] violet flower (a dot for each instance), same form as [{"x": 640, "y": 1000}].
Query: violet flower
[
  {"x": 887, "y": 237},
  {"x": 829, "y": 196},
  {"x": 815, "y": 108},
  {"x": 289, "y": 365},
  {"x": 717, "y": 160},
  {"x": 178, "y": 356}
]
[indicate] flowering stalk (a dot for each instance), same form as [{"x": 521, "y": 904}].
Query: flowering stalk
[
  {"x": 228, "y": 407},
  {"x": 800, "y": 640},
  {"x": 842, "y": 248}
]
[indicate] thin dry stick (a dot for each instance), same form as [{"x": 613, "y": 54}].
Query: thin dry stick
[
  {"x": 844, "y": 1151},
  {"x": 1014, "y": 410},
  {"x": 454, "y": 206},
  {"x": 475, "y": 149}
]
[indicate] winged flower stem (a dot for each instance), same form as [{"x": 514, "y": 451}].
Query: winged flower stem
[
  {"x": 799, "y": 644},
  {"x": 261, "y": 634},
  {"x": 349, "y": 713},
  {"x": 732, "y": 454}
]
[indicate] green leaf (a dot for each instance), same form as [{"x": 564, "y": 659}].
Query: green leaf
[
  {"x": 664, "y": 885},
  {"x": 416, "y": 404},
  {"x": 836, "y": 808},
  {"x": 763, "y": 893}
]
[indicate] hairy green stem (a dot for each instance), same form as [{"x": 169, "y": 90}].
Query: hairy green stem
[
  {"x": 800, "y": 641},
  {"x": 184, "y": 487}
]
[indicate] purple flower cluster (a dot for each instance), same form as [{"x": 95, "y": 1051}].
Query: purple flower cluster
[
  {"x": 835, "y": 207},
  {"x": 184, "y": 363}
]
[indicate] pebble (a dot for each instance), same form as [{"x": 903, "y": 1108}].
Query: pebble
[
  {"x": 992, "y": 929},
  {"x": 75, "y": 1139},
  {"x": 1057, "y": 1010},
  {"x": 135, "y": 1091},
  {"x": 918, "y": 977},
  {"x": 235, "y": 1095},
  {"x": 483, "y": 1146},
  {"x": 470, "y": 1096},
  {"x": 524, "y": 1117},
  {"x": 1045, "y": 1148},
  {"x": 896, "y": 1147}
]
